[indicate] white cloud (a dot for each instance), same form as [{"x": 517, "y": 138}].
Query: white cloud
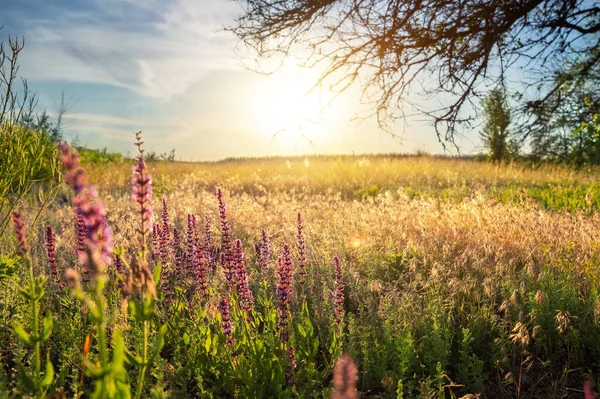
[{"x": 158, "y": 58}]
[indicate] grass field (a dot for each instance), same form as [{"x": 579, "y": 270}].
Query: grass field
[{"x": 455, "y": 277}]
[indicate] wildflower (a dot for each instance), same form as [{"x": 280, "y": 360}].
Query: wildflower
[
  {"x": 51, "y": 249},
  {"x": 81, "y": 231},
  {"x": 301, "y": 246},
  {"x": 201, "y": 272},
  {"x": 141, "y": 191},
  {"x": 73, "y": 278},
  {"x": 226, "y": 323},
  {"x": 120, "y": 268},
  {"x": 207, "y": 249},
  {"x": 179, "y": 255},
  {"x": 165, "y": 232},
  {"x": 155, "y": 250},
  {"x": 291, "y": 366},
  {"x": 338, "y": 296},
  {"x": 191, "y": 243},
  {"x": 98, "y": 237},
  {"x": 20, "y": 233},
  {"x": 344, "y": 379},
  {"x": 241, "y": 279},
  {"x": 227, "y": 259},
  {"x": 284, "y": 290},
  {"x": 140, "y": 278},
  {"x": 75, "y": 176},
  {"x": 263, "y": 252}
]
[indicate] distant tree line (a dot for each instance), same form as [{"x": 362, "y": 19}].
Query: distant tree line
[{"x": 568, "y": 132}]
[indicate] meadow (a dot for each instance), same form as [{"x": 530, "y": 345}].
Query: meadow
[{"x": 438, "y": 277}]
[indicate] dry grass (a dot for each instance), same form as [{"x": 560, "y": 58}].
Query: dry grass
[{"x": 430, "y": 247}]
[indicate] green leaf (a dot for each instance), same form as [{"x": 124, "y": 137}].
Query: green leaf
[
  {"x": 26, "y": 295},
  {"x": 48, "y": 324},
  {"x": 132, "y": 359},
  {"x": 186, "y": 338},
  {"x": 8, "y": 267},
  {"x": 48, "y": 374},
  {"x": 159, "y": 344},
  {"x": 135, "y": 310},
  {"x": 119, "y": 352},
  {"x": 207, "y": 343},
  {"x": 27, "y": 382},
  {"x": 301, "y": 331},
  {"x": 21, "y": 333}
]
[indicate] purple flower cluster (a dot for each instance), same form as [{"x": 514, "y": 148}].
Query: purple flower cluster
[
  {"x": 241, "y": 279},
  {"x": 51, "y": 250},
  {"x": 80, "y": 231},
  {"x": 178, "y": 254},
  {"x": 165, "y": 232},
  {"x": 98, "y": 237},
  {"x": 284, "y": 290},
  {"x": 208, "y": 252},
  {"x": 291, "y": 378},
  {"x": 263, "y": 252},
  {"x": 75, "y": 176},
  {"x": 155, "y": 250},
  {"x": 201, "y": 272},
  {"x": 20, "y": 232},
  {"x": 338, "y": 296},
  {"x": 191, "y": 244},
  {"x": 141, "y": 190},
  {"x": 301, "y": 246},
  {"x": 226, "y": 256},
  {"x": 226, "y": 323}
]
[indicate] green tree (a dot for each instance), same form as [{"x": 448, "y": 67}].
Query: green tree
[{"x": 495, "y": 134}]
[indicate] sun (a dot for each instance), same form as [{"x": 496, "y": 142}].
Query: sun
[{"x": 290, "y": 109}]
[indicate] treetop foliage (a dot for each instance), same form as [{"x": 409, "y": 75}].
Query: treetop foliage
[{"x": 464, "y": 46}]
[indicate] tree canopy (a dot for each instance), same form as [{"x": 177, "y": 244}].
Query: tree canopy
[{"x": 457, "y": 48}]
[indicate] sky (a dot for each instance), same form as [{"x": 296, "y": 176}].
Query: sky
[{"x": 169, "y": 69}]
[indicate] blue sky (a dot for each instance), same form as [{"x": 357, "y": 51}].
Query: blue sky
[{"x": 167, "y": 68}]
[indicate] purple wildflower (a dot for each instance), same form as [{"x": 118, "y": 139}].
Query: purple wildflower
[
  {"x": 191, "y": 244},
  {"x": 75, "y": 176},
  {"x": 226, "y": 323},
  {"x": 201, "y": 272},
  {"x": 20, "y": 232},
  {"x": 98, "y": 238},
  {"x": 263, "y": 253},
  {"x": 51, "y": 249},
  {"x": 177, "y": 250},
  {"x": 338, "y": 296},
  {"x": 165, "y": 232},
  {"x": 291, "y": 378},
  {"x": 301, "y": 246},
  {"x": 120, "y": 268},
  {"x": 81, "y": 231},
  {"x": 284, "y": 290},
  {"x": 227, "y": 259},
  {"x": 344, "y": 379},
  {"x": 241, "y": 279},
  {"x": 141, "y": 193},
  {"x": 207, "y": 248}
]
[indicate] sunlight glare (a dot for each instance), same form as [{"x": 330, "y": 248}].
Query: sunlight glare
[{"x": 290, "y": 112}]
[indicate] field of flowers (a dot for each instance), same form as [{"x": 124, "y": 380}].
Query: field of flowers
[{"x": 345, "y": 277}]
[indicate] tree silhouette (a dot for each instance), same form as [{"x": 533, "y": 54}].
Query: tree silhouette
[
  {"x": 497, "y": 119},
  {"x": 455, "y": 48}
]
